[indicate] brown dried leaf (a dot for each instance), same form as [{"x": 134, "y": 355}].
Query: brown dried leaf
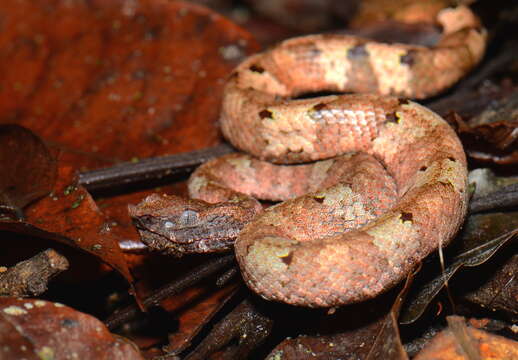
[
  {"x": 104, "y": 81},
  {"x": 117, "y": 79},
  {"x": 499, "y": 291},
  {"x": 493, "y": 135},
  {"x": 28, "y": 170},
  {"x": 370, "y": 339},
  {"x": 70, "y": 215},
  {"x": 37, "y": 329},
  {"x": 481, "y": 238},
  {"x": 460, "y": 341}
]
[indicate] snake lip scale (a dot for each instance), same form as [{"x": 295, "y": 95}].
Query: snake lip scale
[{"x": 371, "y": 183}]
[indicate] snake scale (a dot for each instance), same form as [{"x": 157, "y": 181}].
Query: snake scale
[{"x": 371, "y": 183}]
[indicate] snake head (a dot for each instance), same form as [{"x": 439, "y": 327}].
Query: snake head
[{"x": 177, "y": 225}]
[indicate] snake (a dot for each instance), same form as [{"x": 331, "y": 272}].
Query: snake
[{"x": 367, "y": 182}]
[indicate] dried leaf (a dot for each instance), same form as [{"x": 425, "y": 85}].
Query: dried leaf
[
  {"x": 492, "y": 136},
  {"x": 70, "y": 215},
  {"x": 117, "y": 79},
  {"x": 482, "y": 237},
  {"x": 464, "y": 342},
  {"x": 388, "y": 343},
  {"x": 27, "y": 167},
  {"x": 37, "y": 329},
  {"x": 368, "y": 339},
  {"x": 498, "y": 289}
]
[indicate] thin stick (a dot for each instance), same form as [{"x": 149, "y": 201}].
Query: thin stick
[
  {"x": 30, "y": 277},
  {"x": 150, "y": 168},
  {"x": 194, "y": 276},
  {"x": 506, "y": 197}
]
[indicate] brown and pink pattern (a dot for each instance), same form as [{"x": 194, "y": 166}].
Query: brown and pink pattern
[{"x": 381, "y": 181}]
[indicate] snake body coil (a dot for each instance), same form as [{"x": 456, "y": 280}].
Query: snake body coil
[{"x": 361, "y": 221}]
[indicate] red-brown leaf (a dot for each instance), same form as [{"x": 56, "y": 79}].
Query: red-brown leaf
[
  {"x": 117, "y": 78},
  {"x": 37, "y": 329}
]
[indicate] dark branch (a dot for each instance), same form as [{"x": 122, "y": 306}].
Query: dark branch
[
  {"x": 30, "y": 277},
  {"x": 503, "y": 198},
  {"x": 245, "y": 323},
  {"x": 150, "y": 168},
  {"x": 175, "y": 287}
]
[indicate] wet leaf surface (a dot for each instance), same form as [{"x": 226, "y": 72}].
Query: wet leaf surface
[
  {"x": 27, "y": 167},
  {"x": 497, "y": 289},
  {"x": 103, "y": 82},
  {"x": 492, "y": 136},
  {"x": 37, "y": 329},
  {"x": 120, "y": 79},
  {"x": 481, "y": 238},
  {"x": 69, "y": 215}
]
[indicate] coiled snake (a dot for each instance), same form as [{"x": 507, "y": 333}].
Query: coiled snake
[{"x": 388, "y": 185}]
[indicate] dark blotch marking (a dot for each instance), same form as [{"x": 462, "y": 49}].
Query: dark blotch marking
[
  {"x": 423, "y": 168},
  {"x": 391, "y": 118},
  {"x": 314, "y": 52},
  {"x": 407, "y": 216},
  {"x": 451, "y": 158},
  {"x": 287, "y": 259},
  {"x": 403, "y": 101},
  {"x": 256, "y": 68},
  {"x": 266, "y": 114},
  {"x": 319, "y": 200},
  {"x": 319, "y": 106},
  {"x": 408, "y": 58},
  {"x": 356, "y": 52},
  {"x": 69, "y": 323}
]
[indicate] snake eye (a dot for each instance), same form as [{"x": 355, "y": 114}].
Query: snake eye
[{"x": 188, "y": 218}]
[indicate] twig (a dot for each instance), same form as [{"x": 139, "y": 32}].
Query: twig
[
  {"x": 245, "y": 323},
  {"x": 505, "y": 197},
  {"x": 30, "y": 277},
  {"x": 178, "y": 285},
  {"x": 224, "y": 278},
  {"x": 150, "y": 168}
]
